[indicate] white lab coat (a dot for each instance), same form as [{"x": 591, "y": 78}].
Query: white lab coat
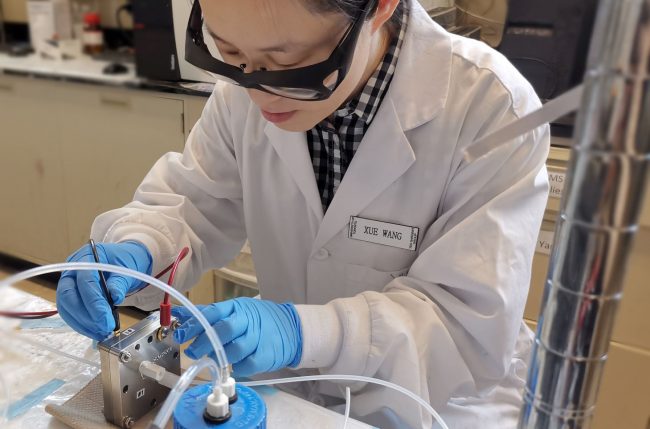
[{"x": 444, "y": 321}]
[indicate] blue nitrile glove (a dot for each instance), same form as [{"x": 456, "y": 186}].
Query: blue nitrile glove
[
  {"x": 258, "y": 336},
  {"x": 79, "y": 296}
]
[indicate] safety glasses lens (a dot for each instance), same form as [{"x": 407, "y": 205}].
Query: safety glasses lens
[{"x": 295, "y": 93}]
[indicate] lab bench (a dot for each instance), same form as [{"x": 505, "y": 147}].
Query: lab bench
[{"x": 45, "y": 363}]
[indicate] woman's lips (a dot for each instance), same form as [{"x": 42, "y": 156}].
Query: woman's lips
[{"x": 277, "y": 117}]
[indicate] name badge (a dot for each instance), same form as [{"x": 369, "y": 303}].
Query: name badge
[{"x": 388, "y": 234}]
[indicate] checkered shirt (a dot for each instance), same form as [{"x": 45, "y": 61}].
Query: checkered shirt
[{"x": 334, "y": 141}]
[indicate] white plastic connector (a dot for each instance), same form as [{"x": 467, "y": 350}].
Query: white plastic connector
[
  {"x": 151, "y": 370},
  {"x": 217, "y": 404},
  {"x": 229, "y": 388},
  {"x": 158, "y": 373}
]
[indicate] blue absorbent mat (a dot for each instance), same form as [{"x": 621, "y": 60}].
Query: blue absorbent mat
[{"x": 21, "y": 406}]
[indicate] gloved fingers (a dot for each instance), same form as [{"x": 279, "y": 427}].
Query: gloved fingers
[
  {"x": 182, "y": 314},
  {"x": 219, "y": 310},
  {"x": 94, "y": 300},
  {"x": 80, "y": 327},
  {"x": 243, "y": 347},
  {"x": 78, "y": 318},
  {"x": 117, "y": 286},
  {"x": 214, "y": 313},
  {"x": 81, "y": 255},
  {"x": 249, "y": 366},
  {"x": 186, "y": 320},
  {"x": 232, "y": 327},
  {"x": 199, "y": 347},
  {"x": 227, "y": 330}
]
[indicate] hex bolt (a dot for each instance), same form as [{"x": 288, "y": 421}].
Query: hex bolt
[
  {"x": 162, "y": 333},
  {"x": 125, "y": 357},
  {"x": 128, "y": 422}
]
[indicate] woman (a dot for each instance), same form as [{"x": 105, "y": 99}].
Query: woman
[{"x": 340, "y": 157}]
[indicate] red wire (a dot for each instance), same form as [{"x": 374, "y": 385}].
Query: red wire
[
  {"x": 29, "y": 314},
  {"x": 49, "y": 313},
  {"x": 165, "y": 306},
  {"x": 174, "y": 267}
]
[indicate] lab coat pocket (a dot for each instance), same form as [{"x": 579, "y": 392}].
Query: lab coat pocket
[{"x": 362, "y": 278}]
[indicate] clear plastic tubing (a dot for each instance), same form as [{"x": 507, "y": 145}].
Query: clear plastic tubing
[
  {"x": 363, "y": 379},
  {"x": 224, "y": 371},
  {"x": 176, "y": 393}
]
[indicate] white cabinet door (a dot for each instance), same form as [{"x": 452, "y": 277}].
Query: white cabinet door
[
  {"x": 111, "y": 138},
  {"x": 32, "y": 213}
]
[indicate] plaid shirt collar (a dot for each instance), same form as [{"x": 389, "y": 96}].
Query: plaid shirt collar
[
  {"x": 333, "y": 142},
  {"x": 366, "y": 104}
]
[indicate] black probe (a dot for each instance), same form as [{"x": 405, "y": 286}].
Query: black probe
[{"x": 102, "y": 282}]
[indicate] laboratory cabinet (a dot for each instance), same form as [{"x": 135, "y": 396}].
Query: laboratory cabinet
[
  {"x": 70, "y": 151},
  {"x": 32, "y": 211},
  {"x": 109, "y": 141}
]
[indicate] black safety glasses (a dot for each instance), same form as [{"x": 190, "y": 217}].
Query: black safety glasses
[{"x": 315, "y": 82}]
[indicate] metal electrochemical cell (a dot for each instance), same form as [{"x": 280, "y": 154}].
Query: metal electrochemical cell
[{"x": 248, "y": 412}]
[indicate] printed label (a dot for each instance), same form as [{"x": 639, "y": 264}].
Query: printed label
[
  {"x": 556, "y": 181},
  {"x": 544, "y": 242},
  {"x": 387, "y": 234}
]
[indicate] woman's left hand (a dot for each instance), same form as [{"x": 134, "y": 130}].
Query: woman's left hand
[{"x": 258, "y": 335}]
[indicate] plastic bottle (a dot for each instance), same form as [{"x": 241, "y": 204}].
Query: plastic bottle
[{"x": 92, "y": 36}]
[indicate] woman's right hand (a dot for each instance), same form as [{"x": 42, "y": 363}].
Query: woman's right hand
[{"x": 79, "y": 296}]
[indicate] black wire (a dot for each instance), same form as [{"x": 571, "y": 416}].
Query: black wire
[{"x": 102, "y": 282}]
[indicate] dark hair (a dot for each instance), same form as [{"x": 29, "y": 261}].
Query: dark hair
[{"x": 352, "y": 9}]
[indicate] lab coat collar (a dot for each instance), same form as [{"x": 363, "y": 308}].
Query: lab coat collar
[
  {"x": 422, "y": 75},
  {"x": 383, "y": 156},
  {"x": 292, "y": 149}
]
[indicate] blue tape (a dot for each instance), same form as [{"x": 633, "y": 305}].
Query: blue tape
[
  {"x": 48, "y": 323},
  {"x": 33, "y": 398}
]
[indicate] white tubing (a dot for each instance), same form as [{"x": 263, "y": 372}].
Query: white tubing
[
  {"x": 552, "y": 110},
  {"x": 51, "y": 349},
  {"x": 347, "y": 407},
  {"x": 338, "y": 377},
  {"x": 91, "y": 266},
  {"x": 183, "y": 383}
]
